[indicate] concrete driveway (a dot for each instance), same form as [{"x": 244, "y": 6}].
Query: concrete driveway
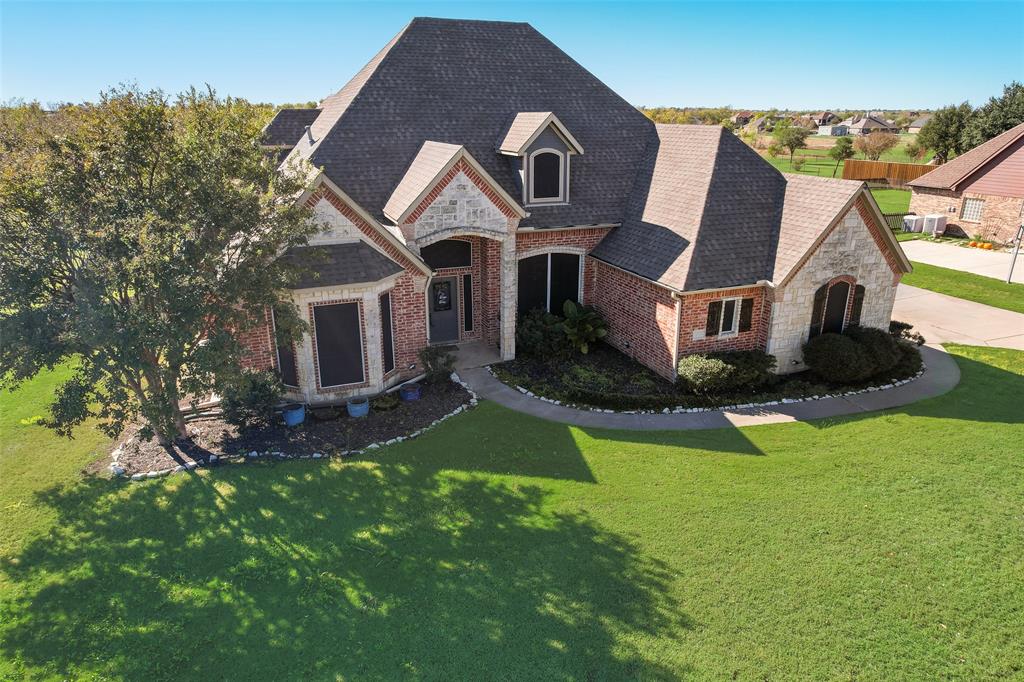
[
  {"x": 944, "y": 318},
  {"x": 987, "y": 263}
]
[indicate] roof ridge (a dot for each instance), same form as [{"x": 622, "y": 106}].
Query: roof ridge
[{"x": 1012, "y": 135}]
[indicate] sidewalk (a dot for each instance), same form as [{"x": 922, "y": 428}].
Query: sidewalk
[
  {"x": 943, "y": 318},
  {"x": 986, "y": 263},
  {"x": 941, "y": 376}
]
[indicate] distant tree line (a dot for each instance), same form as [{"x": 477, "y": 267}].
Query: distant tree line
[{"x": 956, "y": 128}]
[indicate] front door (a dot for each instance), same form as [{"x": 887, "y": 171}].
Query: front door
[
  {"x": 835, "y": 308},
  {"x": 444, "y": 310}
]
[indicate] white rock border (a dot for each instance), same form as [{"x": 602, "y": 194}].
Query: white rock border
[
  {"x": 725, "y": 408},
  {"x": 118, "y": 471}
]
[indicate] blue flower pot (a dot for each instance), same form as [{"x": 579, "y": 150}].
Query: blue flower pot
[
  {"x": 358, "y": 407},
  {"x": 410, "y": 392},
  {"x": 293, "y": 414}
]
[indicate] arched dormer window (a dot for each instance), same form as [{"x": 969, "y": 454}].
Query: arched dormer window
[{"x": 547, "y": 174}]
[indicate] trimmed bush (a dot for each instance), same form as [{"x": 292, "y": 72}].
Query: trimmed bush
[
  {"x": 881, "y": 346},
  {"x": 583, "y": 326},
  {"x": 540, "y": 334},
  {"x": 437, "y": 363},
  {"x": 251, "y": 399},
  {"x": 901, "y": 331},
  {"x": 719, "y": 373},
  {"x": 838, "y": 359}
]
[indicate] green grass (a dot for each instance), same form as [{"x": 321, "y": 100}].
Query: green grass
[
  {"x": 877, "y": 547},
  {"x": 966, "y": 285},
  {"x": 892, "y": 200}
]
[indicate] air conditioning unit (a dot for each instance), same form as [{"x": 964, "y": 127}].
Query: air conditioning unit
[
  {"x": 913, "y": 223},
  {"x": 935, "y": 224}
]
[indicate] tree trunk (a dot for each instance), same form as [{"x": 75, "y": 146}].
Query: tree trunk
[{"x": 836, "y": 169}]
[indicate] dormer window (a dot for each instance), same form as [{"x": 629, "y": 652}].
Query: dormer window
[
  {"x": 544, "y": 147},
  {"x": 547, "y": 176}
]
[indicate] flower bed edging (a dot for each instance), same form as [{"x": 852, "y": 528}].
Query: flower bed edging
[
  {"x": 119, "y": 472},
  {"x": 725, "y": 408}
]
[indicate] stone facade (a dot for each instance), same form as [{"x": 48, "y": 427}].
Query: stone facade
[
  {"x": 851, "y": 250},
  {"x": 1000, "y": 217}
]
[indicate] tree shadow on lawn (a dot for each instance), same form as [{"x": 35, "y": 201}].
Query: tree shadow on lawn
[{"x": 368, "y": 570}]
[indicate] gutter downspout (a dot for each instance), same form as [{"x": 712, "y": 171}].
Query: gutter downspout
[{"x": 675, "y": 341}]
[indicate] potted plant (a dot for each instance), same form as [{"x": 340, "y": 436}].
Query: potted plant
[
  {"x": 294, "y": 414},
  {"x": 358, "y": 407},
  {"x": 410, "y": 392}
]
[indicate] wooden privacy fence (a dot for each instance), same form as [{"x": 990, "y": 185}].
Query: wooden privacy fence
[{"x": 896, "y": 174}]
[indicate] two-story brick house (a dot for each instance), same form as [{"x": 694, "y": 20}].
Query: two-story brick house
[{"x": 472, "y": 171}]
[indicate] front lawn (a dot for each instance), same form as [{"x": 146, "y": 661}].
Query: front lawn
[
  {"x": 967, "y": 285},
  {"x": 885, "y": 546}
]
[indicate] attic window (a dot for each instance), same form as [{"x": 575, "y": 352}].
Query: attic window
[{"x": 547, "y": 176}]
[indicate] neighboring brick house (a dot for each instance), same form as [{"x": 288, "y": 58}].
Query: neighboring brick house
[
  {"x": 981, "y": 191},
  {"x": 460, "y": 187}
]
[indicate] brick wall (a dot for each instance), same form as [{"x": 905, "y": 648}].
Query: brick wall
[
  {"x": 259, "y": 351},
  {"x": 641, "y": 316},
  {"x": 694, "y": 322},
  {"x": 582, "y": 239},
  {"x": 1000, "y": 216},
  {"x": 409, "y": 324}
]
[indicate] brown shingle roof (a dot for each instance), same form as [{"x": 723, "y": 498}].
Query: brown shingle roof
[
  {"x": 527, "y": 125},
  {"x": 287, "y": 126},
  {"x": 338, "y": 264},
  {"x": 429, "y": 162},
  {"x": 952, "y": 173}
]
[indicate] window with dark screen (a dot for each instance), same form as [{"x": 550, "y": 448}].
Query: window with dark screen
[{"x": 546, "y": 176}]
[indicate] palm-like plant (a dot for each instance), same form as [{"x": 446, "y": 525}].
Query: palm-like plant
[{"x": 583, "y": 326}]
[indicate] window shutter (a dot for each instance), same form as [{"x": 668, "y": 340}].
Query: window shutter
[
  {"x": 746, "y": 314},
  {"x": 818, "y": 312},
  {"x": 858, "y": 304},
  {"x": 714, "y": 318}
]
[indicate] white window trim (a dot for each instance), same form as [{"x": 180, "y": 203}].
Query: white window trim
[
  {"x": 735, "y": 331},
  {"x": 563, "y": 186},
  {"x": 362, "y": 365},
  {"x": 963, "y": 210}
]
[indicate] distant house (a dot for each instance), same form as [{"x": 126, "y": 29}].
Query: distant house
[
  {"x": 865, "y": 125},
  {"x": 761, "y": 124},
  {"x": 824, "y": 118},
  {"x": 917, "y": 124},
  {"x": 809, "y": 122},
  {"x": 741, "y": 118},
  {"x": 835, "y": 130},
  {"x": 980, "y": 191}
]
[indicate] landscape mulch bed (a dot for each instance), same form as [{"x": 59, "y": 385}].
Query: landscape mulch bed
[
  {"x": 328, "y": 431},
  {"x": 611, "y": 380}
]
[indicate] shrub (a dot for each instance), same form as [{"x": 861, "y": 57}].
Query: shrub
[
  {"x": 583, "y": 326},
  {"x": 437, "y": 363},
  {"x": 881, "y": 346},
  {"x": 385, "y": 403},
  {"x": 540, "y": 334},
  {"x": 838, "y": 359},
  {"x": 717, "y": 373},
  {"x": 901, "y": 331},
  {"x": 251, "y": 399},
  {"x": 798, "y": 163}
]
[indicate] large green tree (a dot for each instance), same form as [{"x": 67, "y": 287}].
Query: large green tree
[
  {"x": 137, "y": 245},
  {"x": 789, "y": 136},
  {"x": 996, "y": 116},
  {"x": 943, "y": 133}
]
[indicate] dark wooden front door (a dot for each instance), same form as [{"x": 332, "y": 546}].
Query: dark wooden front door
[
  {"x": 835, "y": 308},
  {"x": 444, "y": 310}
]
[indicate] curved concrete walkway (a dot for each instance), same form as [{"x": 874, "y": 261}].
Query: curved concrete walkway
[{"x": 940, "y": 376}]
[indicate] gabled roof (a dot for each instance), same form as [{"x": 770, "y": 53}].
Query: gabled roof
[
  {"x": 869, "y": 122},
  {"x": 525, "y": 128},
  {"x": 430, "y": 164},
  {"x": 919, "y": 123},
  {"x": 704, "y": 214},
  {"x": 950, "y": 174},
  {"x": 287, "y": 126},
  {"x": 461, "y": 82},
  {"x": 338, "y": 264}
]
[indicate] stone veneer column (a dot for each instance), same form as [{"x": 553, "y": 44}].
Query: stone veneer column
[{"x": 509, "y": 274}]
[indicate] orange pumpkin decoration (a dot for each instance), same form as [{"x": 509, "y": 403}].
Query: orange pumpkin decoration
[
  {"x": 987, "y": 247},
  {"x": 973, "y": 244}
]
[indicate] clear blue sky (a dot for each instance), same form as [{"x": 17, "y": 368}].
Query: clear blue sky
[{"x": 815, "y": 55}]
